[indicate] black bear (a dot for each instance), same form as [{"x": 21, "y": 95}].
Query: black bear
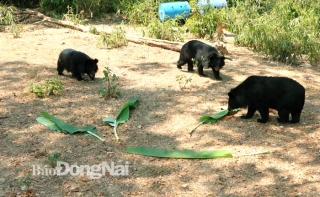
[
  {"x": 77, "y": 63},
  {"x": 202, "y": 55},
  {"x": 261, "y": 93}
]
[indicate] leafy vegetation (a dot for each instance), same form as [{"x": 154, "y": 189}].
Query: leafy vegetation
[
  {"x": 25, "y": 181},
  {"x": 93, "y": 30},
  {"x": 183, "y": 81},
  {"x": 55, "y": 8},
  {"x": 7, "y": 18},
  {"x": 88, "y": 8},
  {"x": 165, "y": 30},
  {"x": 116, "y": 39},
  {"x": 204, "y": 25},
  {"x": 53, "y": 157},
  {"x": 140, "y": 11},
  {"x": 76, "y": 18},
  {"x": 285, "y": 30},
  {"x": 111, "y": 89},
  {"x": 50, "y": 87},
  {"x": 122, "y": 116}
]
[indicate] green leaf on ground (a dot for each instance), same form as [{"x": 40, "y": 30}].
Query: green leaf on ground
[
  {"x": 56, "y": 124},
  {"x": 122, "y": 116},
  {"x": 185, "y": 154},
  {"x": 182, "y": 154},
  {"x": 214, "y": 118}
]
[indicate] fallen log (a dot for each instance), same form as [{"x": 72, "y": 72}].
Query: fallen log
[
  {"x": 169, "y": 45},
  {"x": 165, "y": 44}
]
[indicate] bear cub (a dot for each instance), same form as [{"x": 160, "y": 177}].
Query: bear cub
[
  {"x": 203, "y": 55},
  {"x": 77, "y": 63},
  {"x": 261, "y": 93}
]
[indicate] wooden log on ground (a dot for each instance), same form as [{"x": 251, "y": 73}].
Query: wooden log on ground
[{"x": 173, "y": 46}]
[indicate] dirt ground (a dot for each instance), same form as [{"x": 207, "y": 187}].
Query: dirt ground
[{"x": 162, "y": 119}]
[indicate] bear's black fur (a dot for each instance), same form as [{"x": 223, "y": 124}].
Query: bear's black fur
[
  {"x": 261, "y": 93},
  {"x": 203, "y": 55},
  {"x": 77, "y": 63}
]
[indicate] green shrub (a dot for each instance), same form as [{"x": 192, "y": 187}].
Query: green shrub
[
  {"x": 116, "y": 39},
  {"x": 183, "y": 81},
  {"x": 165, "y": 30},
  {"x": 204, "y": 25},
  {"x": 7, "y": 18},
  {"x": 88, "y": 8},
  {"x": 93, "y": 30},
  {"x": 140, "y": 11},
  {"x": 50, "y": 87},
  {"x": 285, "y": 30},
  {"x": 73, "y": 17},
  {"x": 55, "y": 8},
  {"x": 21, "y": 3}
]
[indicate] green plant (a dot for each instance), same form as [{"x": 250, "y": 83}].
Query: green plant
[
  {"x": 53, "y": 157},
  {"x": 7, "y": 15},
  {"x": 73, "y": 17},
  {"x": 116, "y": 39},
  {"x": 183, "y": 79},
  {"x": 37, "y": 90},
  {"x": 21, "y": 3},
  {"x": 93, "y": 30},
  {"x": 284, "y": 30},
  {"x": 111, "y": 89},
  {"x": 25, "y": 182},
  {"x": 55, "y": 7},
  {"x": 122, "y": 116},
  {"x": 7, "y": 18},
  {"x": 204, "y": 25},
  {"x": 165, "y": 30},
  {"x": 50, "y": 87},
  {"x": 140, "y": 11}
]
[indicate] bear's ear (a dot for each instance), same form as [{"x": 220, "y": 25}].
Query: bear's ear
[{"x": 96, "y": 61}]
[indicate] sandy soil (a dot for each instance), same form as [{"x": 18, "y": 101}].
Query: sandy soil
[{"x": 162, "y": 119}]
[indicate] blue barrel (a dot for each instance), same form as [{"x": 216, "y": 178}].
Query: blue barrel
[
  {"x": 203, "y": 4},
  {"x": 173, "y": 9}
]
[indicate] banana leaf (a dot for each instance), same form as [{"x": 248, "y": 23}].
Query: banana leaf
[
  {"x": 181, "y": 154},
  {"x": 214, "y": 118},
  {"x": 122, "y": 116},
  {"x": 186, "y": 153},
  {"x": 56, "y": 124}
]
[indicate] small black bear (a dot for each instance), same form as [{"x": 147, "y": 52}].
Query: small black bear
[
  {"x": 203, "y": 55},
  {"x": 77, "y": 63},
  {"x": 261, "y": 93}
]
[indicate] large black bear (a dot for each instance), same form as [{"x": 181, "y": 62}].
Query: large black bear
[
  {"x": 77, "y": 63},
  {"x": 261, "y": 93},
  {"x": 203, "y": 55}
]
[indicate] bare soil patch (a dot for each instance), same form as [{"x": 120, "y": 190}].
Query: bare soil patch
[{"x": 162, "y": 119}]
